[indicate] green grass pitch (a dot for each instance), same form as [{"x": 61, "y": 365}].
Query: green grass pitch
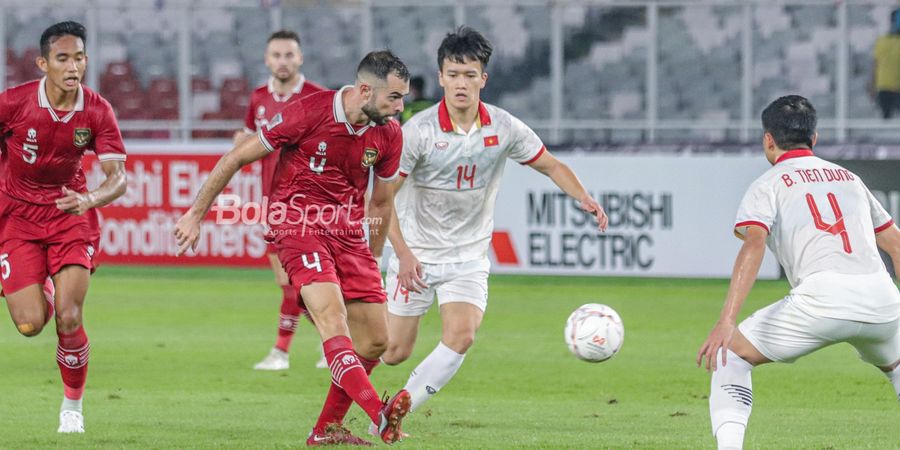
[{"x": 172, "y": 351}]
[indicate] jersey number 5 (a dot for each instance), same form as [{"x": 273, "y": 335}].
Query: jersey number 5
[
  {"x": 837, "y": 228},
  {"x": 4, "y": 266},
  {"x": 30, "y": 155}
]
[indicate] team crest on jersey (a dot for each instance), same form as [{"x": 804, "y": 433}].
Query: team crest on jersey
[
  {"x": 261, "y": 111},
  {"x": 441, "y": 145},
  {"x": 82, "y": 137},
  {"x": 369, "y": 157},
  {"x": 322, "y": 147},
  {"x": 32, "y": 135}
]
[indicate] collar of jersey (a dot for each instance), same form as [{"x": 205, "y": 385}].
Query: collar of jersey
[
  {"x": 295, "y": 90},
  {"x": 447, "y": 125},
  {"x": 795, "y": 153},
  {"x": 44, "y": 102},
  {"x": 341, "y": 116}
]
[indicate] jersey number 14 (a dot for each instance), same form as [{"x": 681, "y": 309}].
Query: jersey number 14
[{"x": 838, "y": 228}]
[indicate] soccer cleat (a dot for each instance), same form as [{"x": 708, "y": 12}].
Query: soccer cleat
[
  {"x": 322, "y": 363},
  {"x": 275, "y": 360},
  {"x": 70, "y": 422},
  {"x": 335, "y": 434},
  {"x": 392, "y": 415}
]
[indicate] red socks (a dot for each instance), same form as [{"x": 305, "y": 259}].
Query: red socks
[
  {"x": 338, "y": 402},
  {"x": 350, "y": 380},
  {"x": 72, "y": 353},
  {"x": 290, "y": 314}
]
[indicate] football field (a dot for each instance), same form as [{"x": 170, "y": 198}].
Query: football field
[{"x": 172, "y": 351}]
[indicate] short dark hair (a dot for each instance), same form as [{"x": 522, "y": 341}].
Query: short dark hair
[
  {"x": 791, "y": 120},
  {"x": 464, "y": 44},
  {"x": 67, "y": 28},
  {"x": 382, "y": 63},
  {"x": 284, "y": 34}
]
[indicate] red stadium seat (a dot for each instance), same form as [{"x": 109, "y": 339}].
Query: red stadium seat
[{"x": 201, "y": 84}]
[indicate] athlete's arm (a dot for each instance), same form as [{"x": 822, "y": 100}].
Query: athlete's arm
[
  {"x": 565, "y": 178},
  {"x": 410, "y": 272},
  {"x": 241, "y": 136},
  {"x": 380, "y": 211},
  {"x": 112, "y": 188},
  {"x": 187, "y": 230},
  {"x": 888, "y": 240},
  {"x": 746, "y": 269}
]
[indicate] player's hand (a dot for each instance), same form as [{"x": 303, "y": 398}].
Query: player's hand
[
  {"x": 187, "y": 233},
  {"x": 590, "y": 205},
  {"x": 75, "y": 203},
  {"x": 410, "y": 273},
  {"x": 719, "y": 339}
]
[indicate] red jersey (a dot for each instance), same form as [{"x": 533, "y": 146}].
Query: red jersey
[
  {"x": 43, "y": 147},
  {"x": 323, "y": 172},
  {"x": 264, "y": 104}
]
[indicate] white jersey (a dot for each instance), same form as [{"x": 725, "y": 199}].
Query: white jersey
[
  {"x": 822, "y": 222},
  {"x": 446, "y": 204}
]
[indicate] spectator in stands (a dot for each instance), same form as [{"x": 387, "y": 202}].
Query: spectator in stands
[
  {"x": 886, "y": 70},
  {"x": 416, "y": 101}
]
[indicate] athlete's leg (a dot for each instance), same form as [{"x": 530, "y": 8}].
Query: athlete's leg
[
  {"x": 403, "y": 331},
  {"x": 288, "y": 318},
  {"x": 460, "y": 321},
  {"x": 23, "y": 267},
  {"x": 73, "y": 348}
]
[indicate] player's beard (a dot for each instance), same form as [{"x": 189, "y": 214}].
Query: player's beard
[{"x": 372, "y": 112}]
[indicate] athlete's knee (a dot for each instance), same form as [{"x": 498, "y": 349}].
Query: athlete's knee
[
  {"x": 459, "y": 341},
  {"x": 30, "y": 328},
  {"x": 396, "y": 353},
  {"x": 67, "y": 321},
  {"x": 372, "y": 346}
]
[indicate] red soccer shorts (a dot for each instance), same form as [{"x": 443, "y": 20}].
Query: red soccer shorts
[
  {"x": 314, "y": 258},
  {"x": 39, "y": 240}
]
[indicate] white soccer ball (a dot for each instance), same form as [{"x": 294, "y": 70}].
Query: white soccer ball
[{"x": 594, "y": 332}]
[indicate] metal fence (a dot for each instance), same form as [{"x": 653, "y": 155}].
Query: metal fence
[{"x": 575, "y": 70}]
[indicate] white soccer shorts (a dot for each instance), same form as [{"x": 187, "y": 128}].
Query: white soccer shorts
[
  {"x": 783, "y": 332},
  {"x": 452, "y": 282}
]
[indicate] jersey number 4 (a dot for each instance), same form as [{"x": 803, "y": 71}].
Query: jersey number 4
[{"x": 837, "y": 228}]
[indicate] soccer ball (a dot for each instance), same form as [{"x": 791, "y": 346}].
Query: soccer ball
[{"x": 594, "y": 332}]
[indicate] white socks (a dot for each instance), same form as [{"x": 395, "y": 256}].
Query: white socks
[
  {"x": 894, "y": 376},
  {"x": 433, "y": 373},
  {"x": 730, "y": 401},
  {"x": 70, "y": 405}
]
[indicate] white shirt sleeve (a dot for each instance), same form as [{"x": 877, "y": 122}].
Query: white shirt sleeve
[
  {"x": 412, "y": 142},
  {"x": 525, "y": 146},
  {"x": 881, "y": 219},
  {"x": 758, "y": 208}
]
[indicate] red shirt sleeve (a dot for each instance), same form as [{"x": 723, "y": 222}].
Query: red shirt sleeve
[
  {"x": 286, "y": 128},
  {"x": 250, "y": 118},
  {"x": 108, "y": 143},
  {"x": 6, "y": 112},
  {"x": 388, "y": 166}
]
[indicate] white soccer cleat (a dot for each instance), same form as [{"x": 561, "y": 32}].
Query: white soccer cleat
[
  {"x": 322, "y": 363},
  {"x": 275, "y": 360},
  {"x": 70, "y": 422}
]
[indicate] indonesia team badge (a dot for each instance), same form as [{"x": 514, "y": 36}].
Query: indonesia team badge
[
  {"x": 82, "y": 137},
  {"x": 369, "y": 157}
]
